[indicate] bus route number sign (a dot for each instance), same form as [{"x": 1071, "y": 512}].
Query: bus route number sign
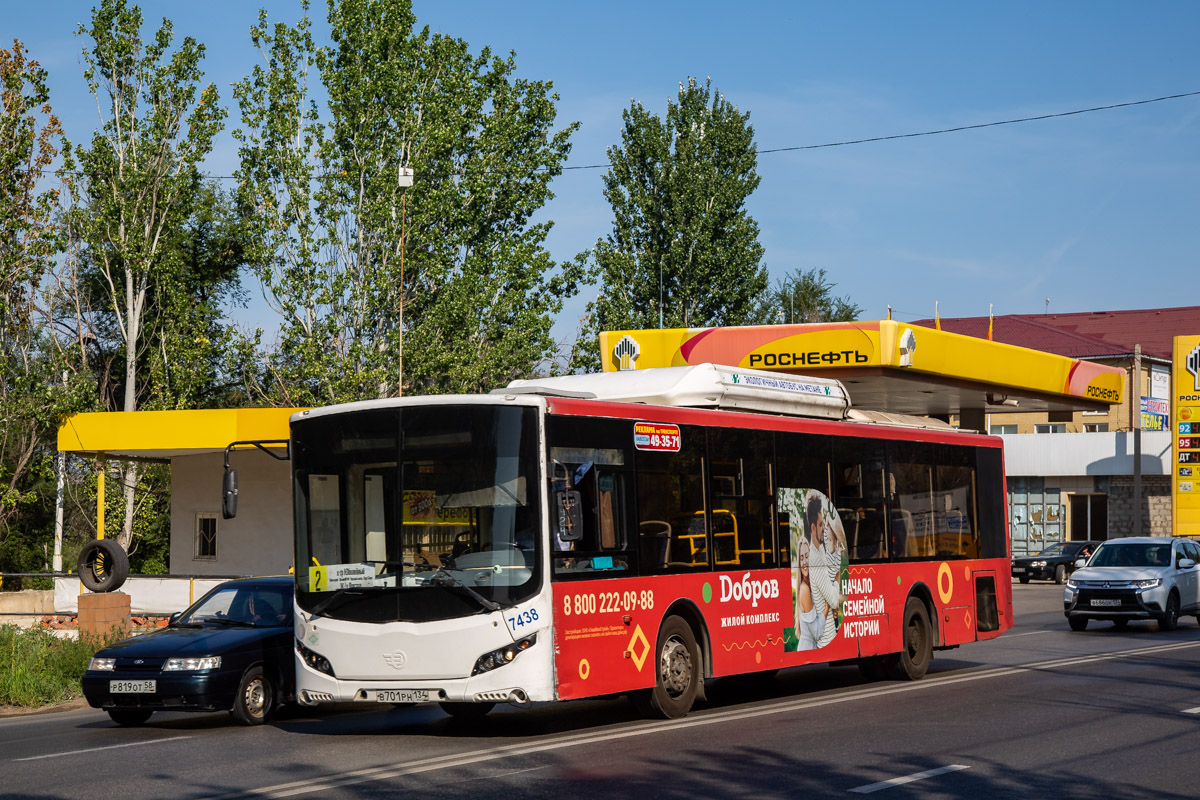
[{"x": 656, "y": 436}]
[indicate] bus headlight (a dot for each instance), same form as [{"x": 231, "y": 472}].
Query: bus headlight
[
  {"x": 315, "y": 660},
  {"x": 498, "y": 658}
]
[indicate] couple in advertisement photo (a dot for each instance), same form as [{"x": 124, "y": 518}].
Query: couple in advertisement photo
[{"x": 820, "y": 565}]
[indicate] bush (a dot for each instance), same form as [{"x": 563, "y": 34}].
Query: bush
[{"x": 38, "y": 668}]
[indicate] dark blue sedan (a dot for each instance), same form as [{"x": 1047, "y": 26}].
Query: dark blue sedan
[{"x": 232, "y": 650}]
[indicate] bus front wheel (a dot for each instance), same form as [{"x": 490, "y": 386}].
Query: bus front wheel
[
  {"x": 678, "y": 671},
  {"x": 912, "y": 661}
]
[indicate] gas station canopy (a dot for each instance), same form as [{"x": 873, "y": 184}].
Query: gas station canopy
[
  {"x": 886, "y": 365},
  {"x": 164, "y": 434}
]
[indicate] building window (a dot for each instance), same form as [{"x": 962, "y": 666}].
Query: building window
[
  {"x": 1003, "y": 430},
  {"x": 206, "y": 537},
  {"x": 1095, "y": 427},
  {"x": 1054, "y": 427}
]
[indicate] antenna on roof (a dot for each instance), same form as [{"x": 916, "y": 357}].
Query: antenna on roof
[{"x": 1047, "y": 305}]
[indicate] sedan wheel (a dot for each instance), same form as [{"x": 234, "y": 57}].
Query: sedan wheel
[
  {"x": 1060, "y": 574},
  {"x": 255, "y": 698}
]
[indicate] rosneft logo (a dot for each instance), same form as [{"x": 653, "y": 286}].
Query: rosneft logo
[
  {"x": 1193, "y": 366},
  {"x": 908, "y": 346},
  {"x": 626, "y": 352}
]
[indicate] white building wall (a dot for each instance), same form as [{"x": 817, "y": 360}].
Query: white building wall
[
  {"x": 256, "y": 542},
  {"x": 1076, "y": 454}
]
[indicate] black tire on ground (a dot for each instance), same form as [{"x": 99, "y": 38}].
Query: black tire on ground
[
  {"x": 1077, "y": 623},
  {"x": 467, "y": 711},
  {"x": 873, "y": 668},
  {"x": 1023, "y": 579},
  {"x": 255, "y": 700},
  {"x": 129, "y": 717},
  {"x": 678, "y": 671},
  {"x": 1120, "y": 623},
  {"x": 1060, "y": 573},
  {"x": 1169, "y": 620},
  {"x": 912, "y": 661},
  {"x": 103, "y": 565}
]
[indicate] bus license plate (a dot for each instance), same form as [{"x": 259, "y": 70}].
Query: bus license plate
[
  {"x": 1106, "y": 601},
  {"x": 132, "y": 687},
  {"x": 402, "y": 695}
]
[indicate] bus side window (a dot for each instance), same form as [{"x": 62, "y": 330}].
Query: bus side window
[
  {"x": 741, "y": 498},
  {"x": 954, "y": 503},
  {"x": 802, "y": 461},
  {"x": 672, "y": 523},
  {"x": 603, "y": 542},
  {"x": 859, "y": 472},
  {"x": 911, "y": 500}
]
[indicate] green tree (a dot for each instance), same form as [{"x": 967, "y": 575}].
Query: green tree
[
  {"x": 382, "y": 288},
  {"x": 134, "y": 191},
  {"x": 683, "y": 251},
  {"x": 28, "y": 241},
  {"x": 33, "y": 394},
  {"x": 806, "y": 296}
]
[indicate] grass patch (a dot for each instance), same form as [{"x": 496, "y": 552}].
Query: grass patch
[{"x": 38, "y": 668}]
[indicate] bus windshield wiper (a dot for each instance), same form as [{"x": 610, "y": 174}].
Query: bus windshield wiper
[
  {"x": 345, "y": 590},
  {"x": 449, "y": 580}
]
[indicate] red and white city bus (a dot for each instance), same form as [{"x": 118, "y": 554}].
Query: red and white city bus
[{"x": 636, "y": 533}]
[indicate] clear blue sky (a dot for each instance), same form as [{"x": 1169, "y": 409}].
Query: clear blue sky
[{"x": 1093, "y": 211}]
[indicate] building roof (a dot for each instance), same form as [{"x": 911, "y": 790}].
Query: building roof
[{"x": 1086, "y": 334}]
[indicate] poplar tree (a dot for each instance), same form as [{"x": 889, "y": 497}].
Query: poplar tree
[
  {"x": 384, "y": 288},
  {"x": 683, "y": 251},
  {"x": 134, "y": 189}
]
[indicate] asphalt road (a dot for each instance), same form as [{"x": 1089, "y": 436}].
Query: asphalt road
[{"x": 1040, "y": 712}]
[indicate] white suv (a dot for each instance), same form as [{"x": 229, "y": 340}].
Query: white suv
[{"x": 1148, "y": 577}]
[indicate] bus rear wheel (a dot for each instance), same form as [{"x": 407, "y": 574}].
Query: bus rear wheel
[
  {"x": 912, "y": 661},
  {"x": 678, "y": 671}
]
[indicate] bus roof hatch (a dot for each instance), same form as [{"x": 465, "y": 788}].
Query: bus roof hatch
[{"x": 702, "y": 386}]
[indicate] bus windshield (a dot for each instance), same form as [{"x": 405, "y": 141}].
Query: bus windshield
[{"x": 416, "y": 512}]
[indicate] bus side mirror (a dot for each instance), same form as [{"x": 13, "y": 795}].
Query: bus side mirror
[
  {"x": 570, "y": 515},
  {"x": 229, "y": 494}
]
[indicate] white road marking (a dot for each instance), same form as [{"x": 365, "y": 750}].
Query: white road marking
[
  {"x": 341, "y": 779},
  {"x": 1029, "y": 633},
  {"x": 109, "y": 747},
  {"x": 1195, "y": 710},
  {"x": 916, "y": 776}
]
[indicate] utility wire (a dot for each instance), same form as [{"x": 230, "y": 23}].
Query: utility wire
[
  {"x": 949, "y": 130},
  {"x": 897, "y": 135}
]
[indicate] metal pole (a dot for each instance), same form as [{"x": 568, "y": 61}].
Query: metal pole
[
  {"x": 400, "y": 358},
  {"x": 58, "y": 511},
  {"x": 1137, "y": 439},
  {"x": 58, "y": 502},
  {"x": 101, "y": 468}
]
